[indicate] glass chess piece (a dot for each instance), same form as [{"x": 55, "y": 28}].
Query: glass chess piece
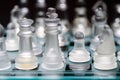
[
  {"x": 26, "y": 60},
  {"x": 52, "y": 56},
  {"x": 11, "y": 42},
  {"x": 63, "y": 37},
  {"x": 79, "y": 53},
  {"x": 4, "y": 59},
  {"x": 37, "y": 47},
  {"x": 104, "y": 47},
  {"x": 98, "y": 21},
  {"x": 39, "y": 21},
  {"x": 81, "y": 22}
]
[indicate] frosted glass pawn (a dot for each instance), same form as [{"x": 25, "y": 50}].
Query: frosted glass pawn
[
  {"x": 52, "y": 56},
  {"x": 26, "y": 60},
  {"x": 4, "y": 59},
  {"x": 11, "y": 41},
  {"x": 104, "y": 46},
  {"x": 79, "y": 53}
]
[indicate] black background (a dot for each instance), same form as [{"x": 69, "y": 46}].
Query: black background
[{"x": 7, "y": 5}]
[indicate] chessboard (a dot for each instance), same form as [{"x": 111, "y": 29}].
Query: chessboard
[{"x": 71, "y": 71}]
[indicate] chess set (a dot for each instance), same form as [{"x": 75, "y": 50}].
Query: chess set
[{"x": 52, "y": 48}]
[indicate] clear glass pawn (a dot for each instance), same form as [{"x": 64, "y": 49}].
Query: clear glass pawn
[
  {"x": 26, "y": 60},
  {"x": 81, "y": 22},
  {"x": 104, "y": 47},
  {"x": 52, "y": 57},
  {"x": 12, "y": 43},
  {"x": 4, "y": 59},
  {"x": 79, "y": 53},
  {"x": 63, "y": 37},
  {"x": 98, "y": 21}
]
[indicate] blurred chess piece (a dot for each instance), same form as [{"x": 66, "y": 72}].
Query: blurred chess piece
[
  {"x": 39, "y": 20},
  {"x": 64, "y": 35},
  {"x": 80, "y": 22},
  {"x": 12, "y": 43},
  {"x": 4, "y": 59}
]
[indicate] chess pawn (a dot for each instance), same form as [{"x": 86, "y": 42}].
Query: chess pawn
[
  {"x": 98, "y": 21},
  {"x": 52, "y": 56},
  {"x": 63, "y": 37},
  {"x": 26, "y": 60},
  {"x": 4, "y": 60},
  {"x": 79, "y": 53},
  {"x": 104, "y": 46},
  {"x": 81, "y": 22},
  {"x": 11, "y": 38}
]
